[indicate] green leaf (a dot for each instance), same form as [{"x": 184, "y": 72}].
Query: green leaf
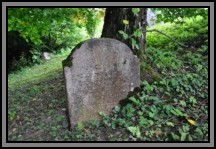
[
  {"x": 135, "y": 131},
  {"x": 12, "y": 114},
  {"x": 168, "y": 108},
  {"x": 185, "y": 115},
  {"x": 175, "y": 136},
  {"x": 199, "y": 132},
  {"x": 140, "y": 113},
  {"x": 150, "y": 122},
  {"x": 125, "y": 35},
  {"x": 135, "y": 10},
  {"x": 173, "y": 112},
  {"x": 151, "y": 114},
  {"x": 126, "y": 22},
  {"x": 190, "y": 138},
  {"x": 133, "y": 43},
  {"x": 134, "y": 100},
  {"x": 35, "y": 57},
  {"x": 159, "y": 18},
  {"x": 176, "y": 112},
  {"x": 183, "y": 103},
  {"x": 174, "y": 82},
  {"x": 153, "y": 109},
  {"x": 183, "y": 136},
  {"x": 186, "y": 128},
  {"x": 59, "y": 118},
  {"x": 193, "y": 100},
  {"x": 116, "y": 109},
  {"x": 170, "y": 124},
  {"x": 137, "y": 32},
  {"x": 102, "y": 113},
  {"x": 136, "y": 46},
  {"x": 9, "y": 28},
  {"x": 143, "y": 121},
  {"x": 80, "y": 126}
]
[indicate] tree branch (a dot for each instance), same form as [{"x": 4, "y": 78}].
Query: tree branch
[{"x": 155, "y": 30}]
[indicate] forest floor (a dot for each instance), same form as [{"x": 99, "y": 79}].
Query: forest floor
[{"x": 173, "y": 108}]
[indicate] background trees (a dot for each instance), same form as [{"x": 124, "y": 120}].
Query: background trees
[
  {"x": 47, "y": 29},
  {"x": 50, "y": 29}
]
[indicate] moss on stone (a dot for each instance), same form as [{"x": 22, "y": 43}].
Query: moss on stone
[{"x": 147, "y": 72}]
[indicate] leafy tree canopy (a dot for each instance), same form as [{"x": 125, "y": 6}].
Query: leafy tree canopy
[
  {"x": 177, "y": 14},
  {"x": 34, "y": 23}
]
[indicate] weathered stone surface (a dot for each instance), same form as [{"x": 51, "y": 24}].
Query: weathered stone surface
[{"x": 98, "y": 73}]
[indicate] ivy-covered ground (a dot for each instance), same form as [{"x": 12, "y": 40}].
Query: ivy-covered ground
[{"x": 172, "y": 104}]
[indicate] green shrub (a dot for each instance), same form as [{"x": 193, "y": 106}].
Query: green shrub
[{"x": 187, "y": 33}]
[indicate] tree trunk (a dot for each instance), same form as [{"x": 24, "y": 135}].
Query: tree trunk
[{"x": 114, "y": 22}]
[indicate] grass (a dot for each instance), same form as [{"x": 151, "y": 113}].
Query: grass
[
  {"x": 172, "y": 104},
  {"x": 38, "y": 73},
  {"x": 36, "y": 100},
  {"x": 37, "y": 108}
]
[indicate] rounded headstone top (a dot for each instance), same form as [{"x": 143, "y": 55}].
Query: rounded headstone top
[{"x": 91, "y": 43}]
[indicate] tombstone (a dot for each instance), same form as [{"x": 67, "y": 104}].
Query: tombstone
[{"x": 98, "y": 74}]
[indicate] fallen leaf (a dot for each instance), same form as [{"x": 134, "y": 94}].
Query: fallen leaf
[{"x": 192, "y": 122}]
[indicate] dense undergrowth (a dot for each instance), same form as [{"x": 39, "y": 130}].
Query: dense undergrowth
[
  {"x": 170, "y": 107},
  {"x": 174, "y": 108},
  {"x": 193, "y": 33}
]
